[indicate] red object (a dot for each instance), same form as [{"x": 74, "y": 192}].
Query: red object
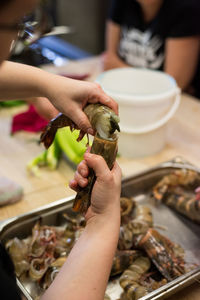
[
  {"x": 29, "y": 121},
  {"x": 75, "y": 76}
]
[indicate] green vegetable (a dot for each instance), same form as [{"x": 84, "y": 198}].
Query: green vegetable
[
  {"x": 11, "y": 103},
  {"x": 33, "y": 165},
  {"x": 72, "y": 149},
  {"x": 53, "y": 155},
  {"x": 64, "y": 142}
]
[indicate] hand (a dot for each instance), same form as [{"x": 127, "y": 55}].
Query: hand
[
  {"x": 70, "y": 96},
  {"x": 106, "y": 191},
  {"x": 111, "y": 60},
  {"x": 43, "y": 107}
]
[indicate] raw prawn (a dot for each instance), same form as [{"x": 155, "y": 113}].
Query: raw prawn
[
  {"x": 105, "y": 122},
  {"x": 180, "y": 190},
  {"x": 130, "y": 280},
  {"x": 183, "y": 177},
  {"x": 122, "y": 260},
  {"x": 127, "y": 206},
  {"x": 163, "y": 253},
  {"x": 131, "y": 232}
]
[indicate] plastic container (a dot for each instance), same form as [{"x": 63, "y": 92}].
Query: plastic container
[
  {"x": 148, "y": 140},
  {"x": 147, "y": 100}
]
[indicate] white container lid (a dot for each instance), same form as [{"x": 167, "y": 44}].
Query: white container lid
[{"x": 135, "y": 85}]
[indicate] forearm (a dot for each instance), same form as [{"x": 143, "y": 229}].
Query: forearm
[
  {"x": 86, "y": 271},
  {"x": 16, "y": 81},
  {"x": 181, "y": 59},
  {"x": 19, "y": 81}
]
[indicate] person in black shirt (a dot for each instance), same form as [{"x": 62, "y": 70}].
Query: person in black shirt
[{"x": 155, "y": 34}]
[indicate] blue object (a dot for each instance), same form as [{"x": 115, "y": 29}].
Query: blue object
[{"x": 62, "y": 48}]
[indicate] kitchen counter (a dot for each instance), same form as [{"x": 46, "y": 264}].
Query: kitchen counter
[{"x": 183, "y": 139}]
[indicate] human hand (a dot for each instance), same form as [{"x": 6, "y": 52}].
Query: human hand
[
  {"x": 43, "y": 107},
  {"x": 70, "y": 96},
  {"x": 111, "y": 60},
  {"x": 106, "y": 190}
]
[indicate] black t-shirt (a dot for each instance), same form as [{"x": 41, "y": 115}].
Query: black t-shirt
[
  {"x": 143, "y": 44},
  {"x": 8, "y": 286}
]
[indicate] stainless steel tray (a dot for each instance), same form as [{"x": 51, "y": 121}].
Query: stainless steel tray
[{"x": 178, "y": 228}]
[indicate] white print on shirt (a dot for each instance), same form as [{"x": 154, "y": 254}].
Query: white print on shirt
[{"x": 139, "y": 49}]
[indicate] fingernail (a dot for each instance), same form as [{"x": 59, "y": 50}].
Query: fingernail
[
  {"x": 88, "y": 149},
  {"x": 83, "y": 172},
  {"x": 71, "y": 182},
  {"x": 87, "y": 155},
  {"x": 90, "y": 131},
  {"x": 82, "y": 182},
  {"x": 107, "y": 100}
]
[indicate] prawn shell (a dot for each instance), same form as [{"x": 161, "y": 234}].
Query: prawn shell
[
  {"x": 161, "y": 251},
  {"x": 106, "y": 297},
  {"x": 131, "y": 281},
  {"x": 50, "y": 130},
  {"x": 122, "y": 260},
  {"x": 103, "y": 119},
  {"x": 185, "y": 204},
  {"x": 108, "y": 150},
  {"x": 38, "y": 267}
]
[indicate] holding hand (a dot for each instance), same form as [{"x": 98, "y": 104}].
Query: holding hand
[
  {"x": 70, "y": 96},
  {"x": 86, "y": 271}
]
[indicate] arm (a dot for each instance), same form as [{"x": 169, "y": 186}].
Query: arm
[
  {"x": 43, "y": 107},
  {"x": 69, "y": 96},
  {"x": 110, "y": 57},
  {"x": 181, "y": 59},
  {"x": 86, "y": 271}
]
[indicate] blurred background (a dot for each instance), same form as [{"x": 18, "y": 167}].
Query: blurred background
[{"x": 81, "y": 34}]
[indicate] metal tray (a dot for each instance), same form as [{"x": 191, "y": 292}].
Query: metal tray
[{"x": 178, "y": 228}]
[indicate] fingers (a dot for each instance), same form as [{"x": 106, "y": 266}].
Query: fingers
[
  {"x": 91, "y": 93},
  {"x": 107, "y": 100},
  {"x": 98, "y": 164},
  {"x": 82, "y": 181},
  {"x": 73, "y": 185},
  {"x": 80, "y": 177},
  {"x": 100, "y": 96},
  {"x": 81, "y": 120},
  {"x": 83, "y": 169}
]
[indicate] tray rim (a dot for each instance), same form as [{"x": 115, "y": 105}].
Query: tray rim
[
  {"x": 164, "y": 291},
  {"x": 176, "y": 162}
]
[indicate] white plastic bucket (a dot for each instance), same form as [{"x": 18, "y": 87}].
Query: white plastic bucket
[
  {"x": 144, "y": 96},
  {"x": 147, "y": 100},
  {"x": 145, "y": 141}
]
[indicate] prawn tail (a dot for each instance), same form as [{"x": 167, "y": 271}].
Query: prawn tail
[
  {"x": 83, "y": 197},
  {"x": 48, "y": 135}
]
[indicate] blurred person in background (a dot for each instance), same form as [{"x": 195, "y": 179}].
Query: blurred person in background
[
  {"x": 156, "y": 34},
  {"x": 87, "y": 268}
]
